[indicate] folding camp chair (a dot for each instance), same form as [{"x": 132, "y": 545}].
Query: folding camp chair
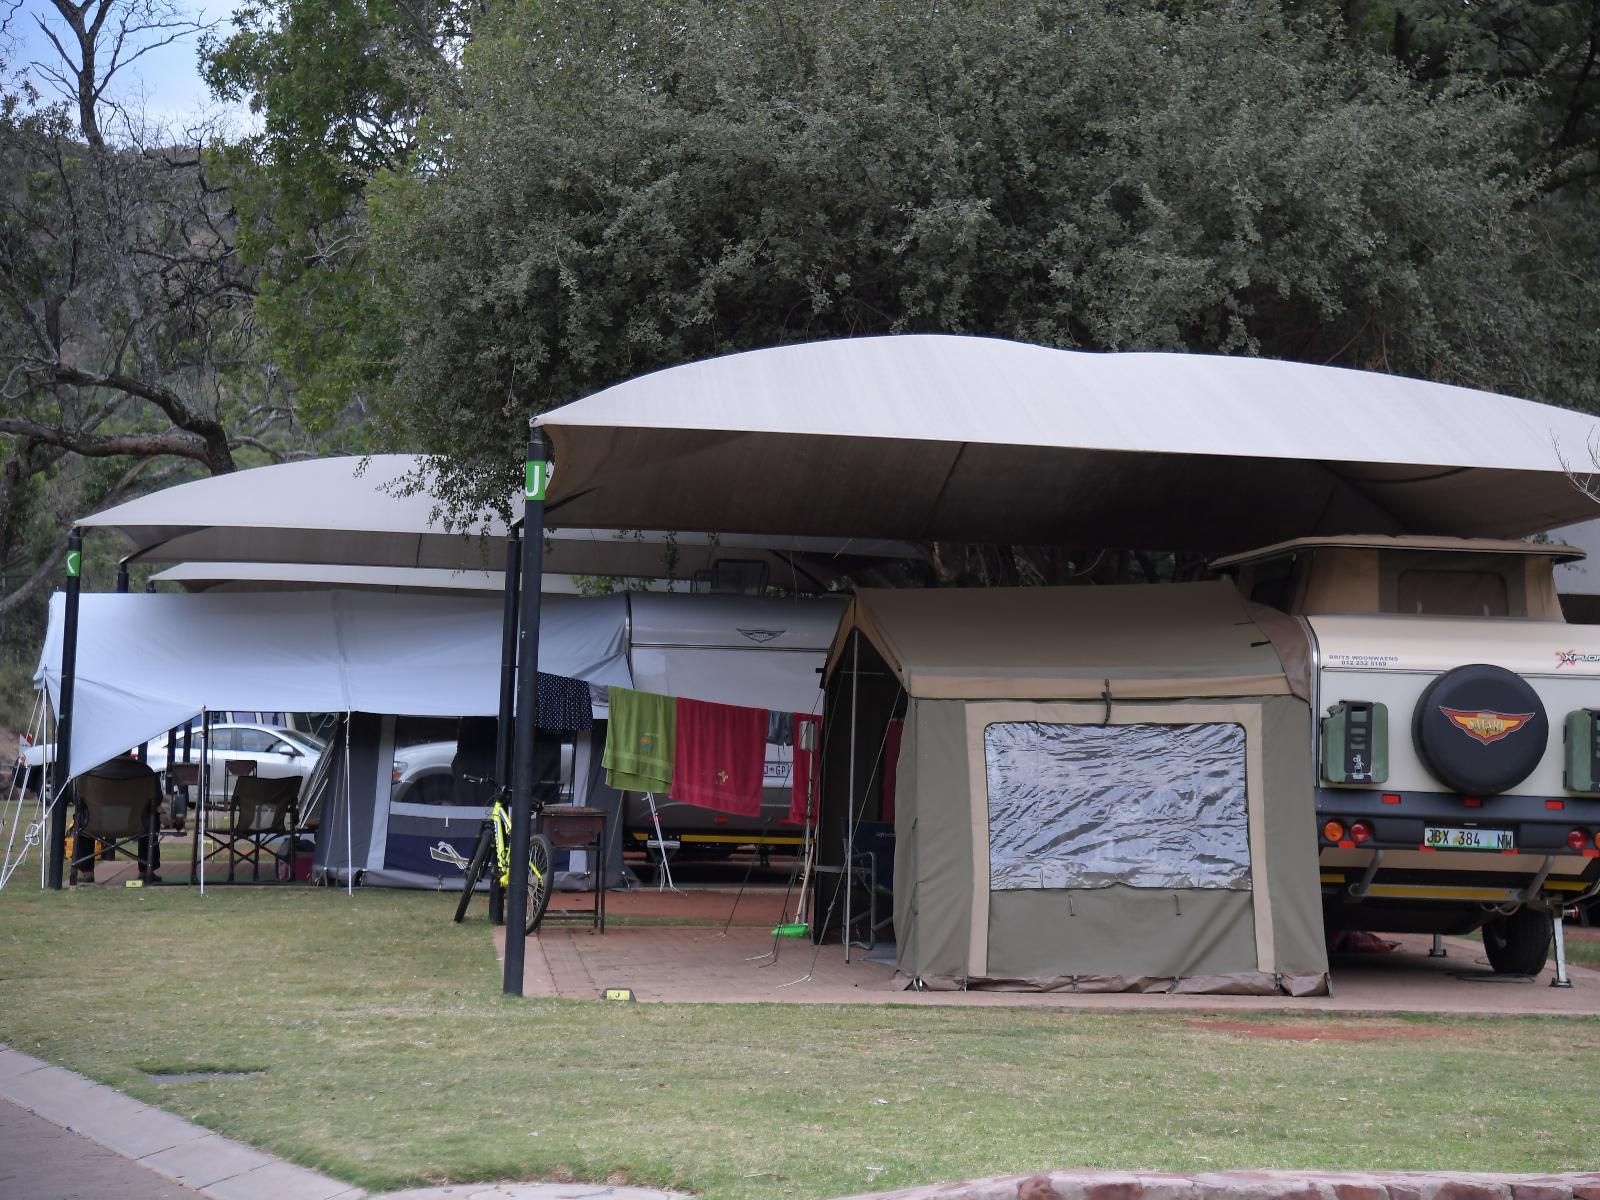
[
  {"x": 261, "y": 817},
  {"x": 118, "y": 807}
]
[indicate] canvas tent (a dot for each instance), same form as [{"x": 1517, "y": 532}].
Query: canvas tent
[
  {"x": 1096, "y": 788},
  {"x": 931, "y": 437},
  {"x": 148, "y": 662}
]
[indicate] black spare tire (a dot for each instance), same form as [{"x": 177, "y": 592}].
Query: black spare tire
[{"x": 1480, "y": 729}]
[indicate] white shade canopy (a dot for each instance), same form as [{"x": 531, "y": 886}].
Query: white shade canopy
[
  {"x": 930, "y": 437},
  {"x": 352, "y": 512},
  {"x": 149, "y": 662},
  {"x": 296, "y": 577}
]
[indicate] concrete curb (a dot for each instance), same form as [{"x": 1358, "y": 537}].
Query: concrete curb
[
  {"x": 214, "y": 1166},
  {"x": 220, "y": 1168},
  {"x": 1260, "y": 1185}
]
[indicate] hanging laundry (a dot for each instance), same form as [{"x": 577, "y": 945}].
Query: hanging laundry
[
  {"x": 780, "y": 729},
  {"x": 807, "y": 748},
  {"x": 565, "y": 705},
  {"x": 641, "y": 741},
  {"x": 721, "y": 752}
]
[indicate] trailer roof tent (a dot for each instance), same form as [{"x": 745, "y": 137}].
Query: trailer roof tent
[
  {"x": 932, "y": 437},
  {"x": 1097, "y": 788}
]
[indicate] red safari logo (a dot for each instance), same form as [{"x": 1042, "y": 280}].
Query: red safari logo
[{"x": 1485, "y": 727}]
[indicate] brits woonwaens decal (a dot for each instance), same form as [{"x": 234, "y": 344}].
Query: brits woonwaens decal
[{"x": 1485, "y": 726}]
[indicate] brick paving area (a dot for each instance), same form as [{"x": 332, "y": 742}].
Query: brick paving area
[{"x": 688, "y": 964}]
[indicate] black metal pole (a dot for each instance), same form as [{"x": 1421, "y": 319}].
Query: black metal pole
[
  {"x": 536, "y": 476},
  {"x": 69, "y": 669},
  {"x": 508, "y": 695}
]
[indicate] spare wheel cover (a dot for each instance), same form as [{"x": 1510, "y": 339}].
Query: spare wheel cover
[{"x": 1480, "y": 729}]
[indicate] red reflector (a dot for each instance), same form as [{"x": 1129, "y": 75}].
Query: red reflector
[
  {"x": 1347, "y": 845},
  {"x": 1391, "y": 799},
  {"x": 719, "y": 820},
  {"x": 1555, "y": 805},
  {"x": 1577, "y": 840},
  {"x": 1591, "y": 853},
  {"x": 1472, "y": 802}
]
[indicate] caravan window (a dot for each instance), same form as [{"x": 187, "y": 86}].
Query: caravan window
[{"x": 1153, "y": 806}]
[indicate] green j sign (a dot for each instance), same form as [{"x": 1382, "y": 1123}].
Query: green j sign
[
  {"x": 74, "y": 563},
  {"x": 538, "y": 478}
]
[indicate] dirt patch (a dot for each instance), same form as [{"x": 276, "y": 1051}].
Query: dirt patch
[{"x": 1322, "y": 1031}]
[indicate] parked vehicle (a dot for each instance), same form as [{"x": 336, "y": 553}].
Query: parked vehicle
[
  {"x": 276, "y": 752},
  {"x": 1457, "y": 739},
  {"x": 422, "y": 773}
]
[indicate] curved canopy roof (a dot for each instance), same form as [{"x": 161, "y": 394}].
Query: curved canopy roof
[
  {"x": 339, "y": 511},
  {"x": 929, "y": 437}
]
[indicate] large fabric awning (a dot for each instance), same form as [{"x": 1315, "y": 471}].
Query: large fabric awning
[
  {"x": 931, "y": 437},
  {"x": 147, "y": 662},
  {"x": 355, "y": 512}
]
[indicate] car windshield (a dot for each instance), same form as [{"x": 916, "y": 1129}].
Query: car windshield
[{"x": 309, "y": 740}]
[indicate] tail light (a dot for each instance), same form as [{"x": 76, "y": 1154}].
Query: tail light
[
  {"x": 1333, "y": 831},
  {"x": 1577, "y": 840},
  {"x": 1360, "y": 832}
]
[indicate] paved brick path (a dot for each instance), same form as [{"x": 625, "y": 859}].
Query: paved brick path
[{"x": 702, "y": 964}]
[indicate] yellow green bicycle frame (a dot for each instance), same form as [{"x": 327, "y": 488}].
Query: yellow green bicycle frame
[{"x": 500, "y": 817}]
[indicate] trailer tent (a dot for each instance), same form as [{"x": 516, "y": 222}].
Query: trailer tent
[{"x": 1097, "y": 789}]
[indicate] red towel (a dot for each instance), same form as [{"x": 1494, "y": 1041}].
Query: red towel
[
  {"x": 891, "y": 766},
  {"x": 805, "y": 765},
  {"x": 721, "y": 752}
]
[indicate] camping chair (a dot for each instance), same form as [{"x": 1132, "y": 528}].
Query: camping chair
[
  {"x": 261, "y": 816},
  {"x": 236, "y": 769},
  {"x": 118, "y": 806}
]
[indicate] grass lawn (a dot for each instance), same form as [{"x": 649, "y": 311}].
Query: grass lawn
[{"x": 386, "y": 1056}]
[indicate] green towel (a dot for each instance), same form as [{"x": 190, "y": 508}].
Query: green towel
[{"x": 641, "y": 741}]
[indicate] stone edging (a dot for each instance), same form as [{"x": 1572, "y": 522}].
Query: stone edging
[{"x": 1260, "y": 1185}]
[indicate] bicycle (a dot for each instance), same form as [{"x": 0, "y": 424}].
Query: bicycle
[{"x": 495, "y": 834}]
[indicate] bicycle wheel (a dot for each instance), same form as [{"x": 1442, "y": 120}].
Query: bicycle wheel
[
  {"x": 541, "y": 878},
  {"x": 469, "y": 882}
]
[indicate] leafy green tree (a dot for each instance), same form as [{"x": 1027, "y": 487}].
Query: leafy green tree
[
  {"x": 337, "y": 87},
  {"x": 603, "y": 190}
]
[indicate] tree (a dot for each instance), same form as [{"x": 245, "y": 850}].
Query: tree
[
  {"x": 126, "y": 331},
  {"x": 338, "y": 88},
  {"x": 607, "y": 190}
]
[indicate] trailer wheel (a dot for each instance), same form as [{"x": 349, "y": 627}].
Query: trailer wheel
[{"x": 1519, "y": 944}]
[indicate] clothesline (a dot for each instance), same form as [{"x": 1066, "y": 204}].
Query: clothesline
[{"x": 701, "y": 753}]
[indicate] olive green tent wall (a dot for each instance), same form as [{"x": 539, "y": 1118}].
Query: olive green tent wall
[{"x": 953, "y": 928}]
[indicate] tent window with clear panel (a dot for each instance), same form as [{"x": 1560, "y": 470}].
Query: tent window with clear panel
[{"x": 1088, "y": 806}]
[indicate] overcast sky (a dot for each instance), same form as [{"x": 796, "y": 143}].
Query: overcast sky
[{"x": 165, "y": 82}]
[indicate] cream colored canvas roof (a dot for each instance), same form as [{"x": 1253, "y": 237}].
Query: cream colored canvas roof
[
  {"x": 933, "y": 437},
  {"x": 1559, "y": 551},
  {"x": 1149, "y": 641}
]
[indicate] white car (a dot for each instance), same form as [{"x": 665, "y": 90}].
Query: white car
[{"x": 276, "y": 752}]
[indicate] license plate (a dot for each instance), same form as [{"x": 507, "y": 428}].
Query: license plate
[{"x": 1445, "y": 837}]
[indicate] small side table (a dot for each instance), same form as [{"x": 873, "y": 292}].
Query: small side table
[{"x": 573, "y": 828}]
